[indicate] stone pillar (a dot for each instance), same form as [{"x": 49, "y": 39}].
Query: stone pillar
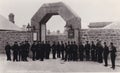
[
  {"x": 43, "y": 32},
  {"x": 76, "y": 35}
]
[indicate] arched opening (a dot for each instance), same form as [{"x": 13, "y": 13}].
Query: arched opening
[
  {"x": 55, "y": 29},
  {"x": 41, "y": 17}
]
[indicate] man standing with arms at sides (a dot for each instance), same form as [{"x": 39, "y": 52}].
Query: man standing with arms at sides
[
  {"x": 8, "y": 52},
  {"x": 66, "y": 51},
  {"x": 54, "y": 50},
  {"x": 42, "y": 51},
  {"x": 20, "y": 52},
  {"x": 48, "y": 49},
  {"x": 58, "y": 50},
  {"x": 87, "y": 51},
  {"x": 15, "y": 48},
  {"x": 105, "y": 54},
  {"x": 81, "y": 51},
  {"x": 33, "y": 49},
  {"x": 75, "y": 51},
  {"x": 100, "y": 52},
  {"x": 26, "y": 47},
  {"x": 62, "y": 49},
  {"x": 93, "y": 49},
  {"x": 113, "y": 54}
]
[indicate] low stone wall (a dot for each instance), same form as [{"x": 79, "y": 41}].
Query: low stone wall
[
  {"x": 105, "y": 35},
  {"x": 56, "y": 38},
  {"x": 12, "y": 36}
]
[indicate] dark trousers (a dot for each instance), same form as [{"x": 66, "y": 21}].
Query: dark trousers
[
  {"x": 87, "y": 55},
  {"x": 62, "y": 54},
  {"x": 66, "y": 56},
  {"x": 8, "y": 55},
  {"x": 34, "y": 55},
  {"x": 113, "y": 61},
  {"x": 42, "y": 55},
  {"x": 19, "y": 56},
  {"x": 106, "y": 60},
  {"x": 47, "y": 54},
  {"x": 81, "y": 56},
  {"x": 58, "y": 54},
  {"x": 54, "y": 55},
  {"x": 15, "y": 56}
]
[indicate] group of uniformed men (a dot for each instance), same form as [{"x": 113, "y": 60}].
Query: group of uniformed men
[{"x": 69, "y": 51}]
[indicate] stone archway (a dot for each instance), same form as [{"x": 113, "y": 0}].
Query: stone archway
[{"x": 44, "y": 14}]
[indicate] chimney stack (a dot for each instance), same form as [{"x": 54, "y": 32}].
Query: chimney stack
[{"x": 11, "y": 17}]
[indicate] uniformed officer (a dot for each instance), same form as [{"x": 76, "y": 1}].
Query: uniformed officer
[
  {"x": 87, "y": 51},
  {"x": 105, "y": 54},
  {"x": 62, "y": 49},
  {"x": 33, "y": 49},
  {"x": 71, "y": 51},
  {"x": 93, "y": 50},
  {"x": 75, "y": 51},
  {"x": 8, "y": 51},
  {"x": 20, "y": 52},
  {"x": 37, "y": 50},
  {"x": 48, "y": 49},
  {"x": 58, "y": 50},
  {"x": 113, "y": 54},
  {"x": 81, "y": 51},
  {"x": 100, "y": 52},
  {"x": 15, "y": 48},
  {"x": 66, "y": 52},
  {"x": 54, "y": 51},
  {"x": 26, "y": 50},
  {"x": 42, "y": 51}
]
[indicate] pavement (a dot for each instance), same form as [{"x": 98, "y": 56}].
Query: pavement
[{"x": 53, "y": 66}]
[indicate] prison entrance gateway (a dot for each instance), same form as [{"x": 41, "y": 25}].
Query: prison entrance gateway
[{"x": 46, "y": 11}]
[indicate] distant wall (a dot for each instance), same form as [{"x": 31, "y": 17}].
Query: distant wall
[
  {"x": 12, "y": 36},
  {"x": 56, "y": 38},
  {"x": 105, "y": 35}
]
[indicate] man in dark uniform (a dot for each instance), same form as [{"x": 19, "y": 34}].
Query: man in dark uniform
[
  {"x": 37, "y": 50},
  {"x": 15, "y": 48},
  {"x": 66, "y": 51},
  {"x": 33, "y": 49},
  {"x": 58, "y": 50},
  {"x": 42, "y": 51},
  {"x": 54, "y": 50},
  {"x": 20, "y": 52},
  {"x": 71, "y": 47},
  {"x": 75, "y": 51},
  {"x": 100, "y": 52},
  {"x": 48, "y": 49},
  {"x": 81, "y": 51},
  {"x": 62, "y": 49},
  {"x": 26, "y": 47},
  {"x": 105, "y": 54},
  {"x": 113, "y": 54},
  {"x": 87, "y": 51},
  {"x": 8, "y": 52},
  {"x": 93, "y": 50}
]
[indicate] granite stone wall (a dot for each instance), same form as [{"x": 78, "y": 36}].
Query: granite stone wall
[{"x": 12, "y": 36}]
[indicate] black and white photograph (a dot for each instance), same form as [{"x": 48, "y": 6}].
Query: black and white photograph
[{"x": 59, "y": 36}]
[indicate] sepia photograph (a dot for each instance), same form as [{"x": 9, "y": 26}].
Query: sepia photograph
[{"x": 59, "y": 36}]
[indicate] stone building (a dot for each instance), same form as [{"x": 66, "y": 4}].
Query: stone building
[{"x": 10, "y": 32}]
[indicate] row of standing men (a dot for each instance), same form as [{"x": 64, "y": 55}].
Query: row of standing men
[{"x": 69, "y": 51}]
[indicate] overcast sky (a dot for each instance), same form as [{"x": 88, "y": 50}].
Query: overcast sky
[{"x": 87, "y": 10}]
